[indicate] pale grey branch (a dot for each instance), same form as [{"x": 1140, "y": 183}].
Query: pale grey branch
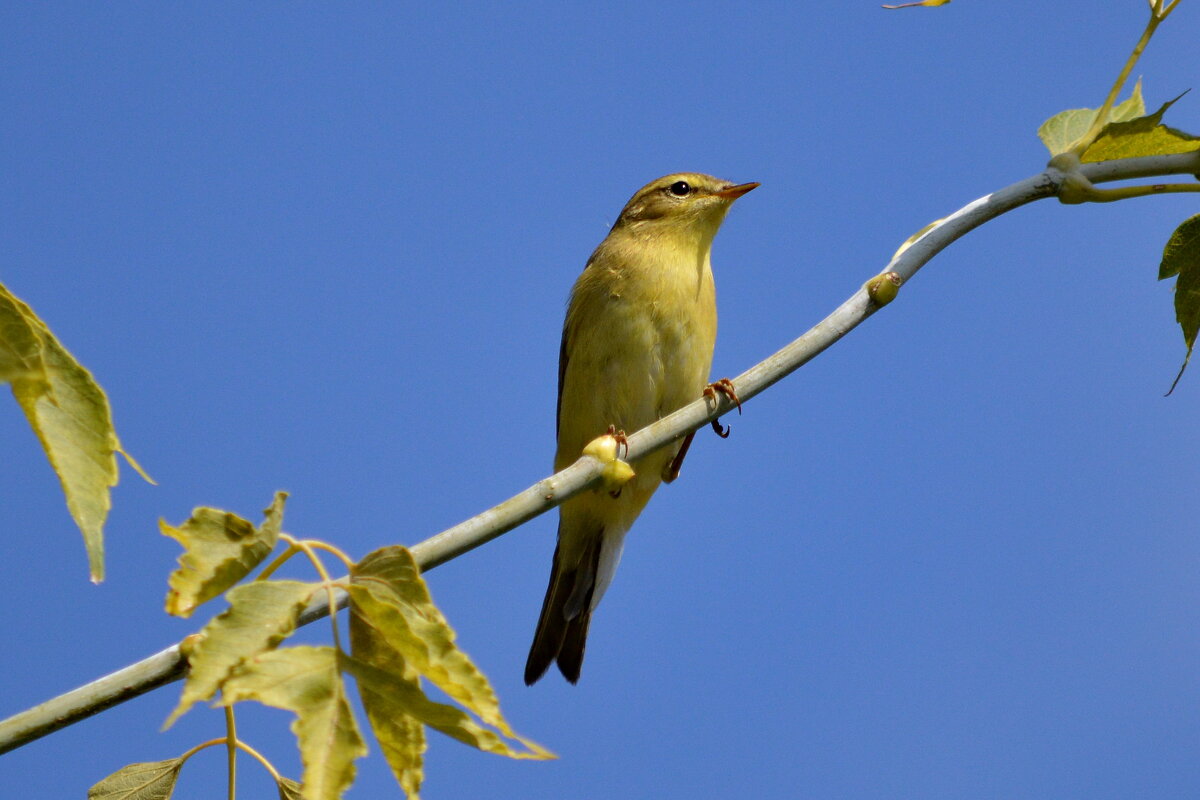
[{"x": 168, "y": 665}]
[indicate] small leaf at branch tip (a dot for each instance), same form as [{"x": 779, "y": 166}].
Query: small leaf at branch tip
[
  {"x": 883, "y": 288},
  {"x": 1064, "y": 132}
]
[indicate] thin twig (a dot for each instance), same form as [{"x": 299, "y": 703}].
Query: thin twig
[{"x": 168, "y": 665}]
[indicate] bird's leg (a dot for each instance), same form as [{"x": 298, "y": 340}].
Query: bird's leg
[
  {"x": 622, "y": 441},
  {"x": 725, "y": 387},
  {"x": 671, "y": 471}
]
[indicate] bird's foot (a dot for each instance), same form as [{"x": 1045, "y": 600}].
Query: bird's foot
[
  {"x": 725, "y": 387},
  {"x": 606, "y": 449},
  {"x": 620, "y": 438}
]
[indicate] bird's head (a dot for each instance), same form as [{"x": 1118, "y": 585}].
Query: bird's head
[{"x": 686, "y": 203}]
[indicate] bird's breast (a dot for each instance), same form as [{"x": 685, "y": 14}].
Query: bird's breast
[{"x": 639, "y": 345}]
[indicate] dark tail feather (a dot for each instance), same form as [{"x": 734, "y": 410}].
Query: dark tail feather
[
  {"x": 570, "y": 655},
  {"x": 552, "y": 624},
  {"x": 563, "y": 625}
]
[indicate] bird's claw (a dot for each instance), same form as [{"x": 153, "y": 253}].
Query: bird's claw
[
  {"x": 725, "y": 387},
  {"x": 621, "y": 439}
]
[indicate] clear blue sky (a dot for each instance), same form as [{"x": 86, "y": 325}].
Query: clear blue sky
[{"x": 325, "y": 247}]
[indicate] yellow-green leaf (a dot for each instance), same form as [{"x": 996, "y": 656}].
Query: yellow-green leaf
[
  {"x": 151, "y": 780},
  {"x": 1181, "y": 257},
  {"x": 20, "y": 342},
  {"x": 401, "y": 736},
  {"x": 391, "y": 694},
  {"x": 396, "y": 628},
  {"x": 69, "y": 413},
  {"x": 388, "y": 595},
  {"x": 1065, "y": 128},
  {"x": 306, "y": 681},
  {"x": 220, "y": 548},
  {"x": 260, "y": 616},
  {"x": 1143, "y": 136}
]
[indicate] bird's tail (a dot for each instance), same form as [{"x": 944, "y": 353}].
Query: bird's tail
[{"x": 562, "y": 628}]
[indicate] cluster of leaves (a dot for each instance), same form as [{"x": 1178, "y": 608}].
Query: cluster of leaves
[
  {"x": 1132, "y": 133},
  {"x": 70, "y": 415},
  {"x": 397, "y": 638}
]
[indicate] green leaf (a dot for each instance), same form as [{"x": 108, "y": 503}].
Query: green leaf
[
  {"x": 69, "y": 413},
  {"x": 20, "y": 342},
  {"x": 400, "y": 735},
  {"x": 151, "y": 780},
  {"x": 392, "y": 694},
  {"x": 388, "y": 596},
  {"x": 396, "y": 628},
  {"x": 220, "y": 548},
  {"x": 1065, "y": 128},
  {"x": 260, "y": 616},
  {"x": 1181, "y": 257},
  {"x": 306, "y": 681},
  {"x": 1143, "y": 136}
]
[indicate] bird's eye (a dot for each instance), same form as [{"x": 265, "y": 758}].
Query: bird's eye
[{"x": 680, "y": 188}]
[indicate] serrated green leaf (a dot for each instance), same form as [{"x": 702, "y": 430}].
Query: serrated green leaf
[
  {"x": 69, "y": 413},
  {"x": 392, "y": 694},
  {"x": 260, "y": 616},
  {"x": 306, "y": 681},
  {"x": 388, "y": 595},
  {"x": 1143, "y": 136},
  {"x": 220, "y": 548},
  {"x": 1065, "y": 128},
  {"x": 151, "y": 780},
  {"x": 401, "y": 737},
  {"x": 1181, "y": 257},
  {"x": 289, "y": 789},
  {"x": 396, "y": 628}
]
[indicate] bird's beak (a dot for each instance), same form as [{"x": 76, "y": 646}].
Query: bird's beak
[{"x": 734, "y": 192}]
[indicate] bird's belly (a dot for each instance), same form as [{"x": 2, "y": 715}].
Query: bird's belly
[{"x": 644, "y": 369}]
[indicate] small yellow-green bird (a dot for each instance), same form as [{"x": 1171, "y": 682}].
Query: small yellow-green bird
[{"x": 637, "y": 344}]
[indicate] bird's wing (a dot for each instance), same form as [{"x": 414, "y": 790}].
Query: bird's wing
[{"x": 562, "y": 374}]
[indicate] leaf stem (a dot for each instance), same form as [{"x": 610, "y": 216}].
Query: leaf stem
[
  {"x": 237, "y": 745},
  {"x": 1102, "y": 116},
  {"x": 315, "y": 544},
  {"x": 309, "y": 549},
  {"x": 1128, "y": 192},
  {"x": 210, "y": 743},
  {"x": 267, "y": 765},
  {"x": 280, "y": 559},
  {"x": 231, "y": 742}
]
